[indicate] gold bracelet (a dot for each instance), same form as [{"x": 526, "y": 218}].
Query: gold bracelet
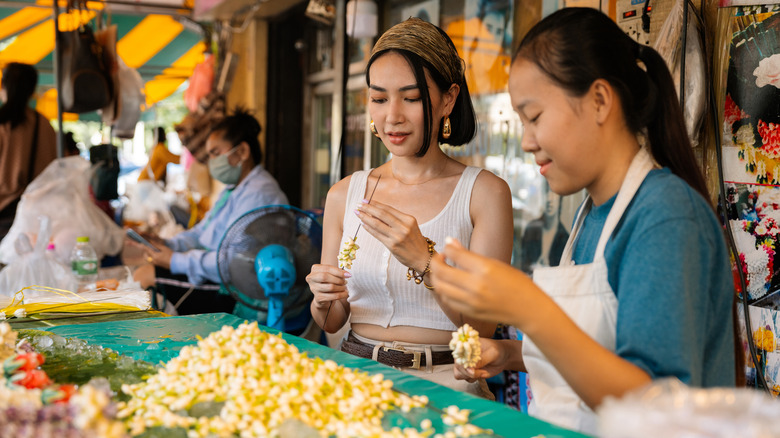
[
  {"x": 426, "y": 285},
  {"x": 418, "y": 277}
]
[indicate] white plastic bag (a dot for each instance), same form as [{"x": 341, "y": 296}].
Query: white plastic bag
[
  {"x": 670, "y": 409},
  {"x": 132, "y": 101},
  {"x": 149, "y": 204},
  {"x": 33, "y": 266},
  {"x": 61, "y": 192},
  {"x": 669, "y": 45}
]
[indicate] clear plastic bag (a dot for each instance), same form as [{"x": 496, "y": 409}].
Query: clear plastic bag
[
  {"x": 200, "y": 83},
  {"x": 669, "y": 46},
  {"x": 148, "y": 204},
  {"x": 61, "y": 192},
  {"x": 670, "y": 409},
  {"x": 132, "y": 101},
  {"x": 33, "y": 266}
]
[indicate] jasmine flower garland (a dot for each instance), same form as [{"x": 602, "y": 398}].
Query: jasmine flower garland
[
  {"x": 347, "y": 253},
  {"x": 465, "y": 346}
]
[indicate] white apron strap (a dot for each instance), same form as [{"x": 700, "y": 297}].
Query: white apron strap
[
  {"x": 566, "y": 256},
  {"x": 640, "y": 166}
]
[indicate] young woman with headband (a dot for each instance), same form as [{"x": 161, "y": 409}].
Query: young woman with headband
[{"x": 418, "y": 98}]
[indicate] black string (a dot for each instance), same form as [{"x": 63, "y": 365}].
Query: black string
[
  {"x": 646, "y": 17},
  {"x": 325, "y": 321},
  {"x": 683, "y": 44}
]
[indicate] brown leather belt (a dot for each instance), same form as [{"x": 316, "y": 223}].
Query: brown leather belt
[{"x": 394, "y": 356}]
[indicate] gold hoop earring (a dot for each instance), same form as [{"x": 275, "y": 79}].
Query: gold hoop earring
[
  {"x": 372, "y": 126},
  {"x": 446, "y": 129}
]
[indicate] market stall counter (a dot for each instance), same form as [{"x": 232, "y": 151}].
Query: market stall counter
[{"x": 160, "y": 339}]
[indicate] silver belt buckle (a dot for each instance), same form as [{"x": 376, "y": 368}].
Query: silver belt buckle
[{"x": 415, "y": 359}]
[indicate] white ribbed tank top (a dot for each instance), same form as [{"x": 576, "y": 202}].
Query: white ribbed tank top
[{"x": 379, "y": 292}]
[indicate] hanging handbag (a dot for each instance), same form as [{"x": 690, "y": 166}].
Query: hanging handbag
[{"x": 86, "y": 82}]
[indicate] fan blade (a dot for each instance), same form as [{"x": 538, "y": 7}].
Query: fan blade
[{"x": 275, "y": 225}]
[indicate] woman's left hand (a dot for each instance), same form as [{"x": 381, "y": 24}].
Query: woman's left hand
[
  {"x": 493, "y": 361},
  {"x": 397, "y": 231},
  {"x": 481, "y": 287},
  {"x": 160, "y": 258}
]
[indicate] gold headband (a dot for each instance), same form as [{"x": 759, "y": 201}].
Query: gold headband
[{"x": 424, "y": 40}]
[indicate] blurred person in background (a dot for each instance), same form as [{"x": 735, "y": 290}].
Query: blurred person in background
[
  {"x": 187, "y": 263},
  {"x": 159, "y": 157},
  {"x": 28, "y": 143},
  {"x": 70, "y": 147}
]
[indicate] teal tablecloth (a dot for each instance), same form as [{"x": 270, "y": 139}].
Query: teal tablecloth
[{"x": 160, "y": 339}]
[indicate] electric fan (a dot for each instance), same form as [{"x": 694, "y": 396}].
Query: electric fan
[{"x": 263, "y": 260}]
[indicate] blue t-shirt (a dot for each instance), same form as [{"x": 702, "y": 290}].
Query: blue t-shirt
[{"x": 669, "y": 267}]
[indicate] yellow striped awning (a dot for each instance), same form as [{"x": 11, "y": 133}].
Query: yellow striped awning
[{"x": 162, "y": 48}]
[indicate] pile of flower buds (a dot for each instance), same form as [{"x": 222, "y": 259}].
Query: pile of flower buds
[
  {"x": 95, "y": 413},
  {"x": 458, "y": 419},
  {"x": 87, "y": 414},
  {"x": 7, "y": 341},
  {"x": 465, "y": 346},
  {"x": 31, "y": 405},
  {"x": 260, "y": 381},
  {"x": 347, "y": 253}
]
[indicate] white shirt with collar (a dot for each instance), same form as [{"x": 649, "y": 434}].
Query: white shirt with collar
[{"x": 195, "y": 250}]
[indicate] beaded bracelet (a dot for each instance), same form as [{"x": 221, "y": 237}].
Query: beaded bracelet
[{"x": 418, "y": 276}]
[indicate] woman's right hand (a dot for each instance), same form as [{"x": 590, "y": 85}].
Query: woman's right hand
[
  {"x": 153, "y": 238},
  {"x": 481, "y": 287},
  {"x": 397, "y": 231},
  {"x": 328, "y": 284},
  {"x": 493, "y": 361}
]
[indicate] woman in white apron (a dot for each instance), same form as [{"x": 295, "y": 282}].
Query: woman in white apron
[{"x": 644, "y": 287}]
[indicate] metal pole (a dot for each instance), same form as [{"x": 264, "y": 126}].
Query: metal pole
[
  {"x": 683, "y": 45},
  {"x": 339, "y": 91},
  {"x": 58, "y": 76},
  {"x": 139, "y": 8}
]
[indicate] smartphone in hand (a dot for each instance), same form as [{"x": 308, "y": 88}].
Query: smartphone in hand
[{"x": 132, "y": 234}]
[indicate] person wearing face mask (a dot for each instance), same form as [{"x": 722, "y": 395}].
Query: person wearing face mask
[{"x": 188, "y": 261}]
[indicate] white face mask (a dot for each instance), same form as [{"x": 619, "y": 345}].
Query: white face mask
[{"x": 222, "y": 171}]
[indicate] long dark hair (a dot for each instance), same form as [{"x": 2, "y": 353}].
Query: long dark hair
[
  {"x": 576, "y": 46},
  {"x": 241, "y": 126},
  {"x": 19, "y": 81},
  {"x": 462, "y": 119}
]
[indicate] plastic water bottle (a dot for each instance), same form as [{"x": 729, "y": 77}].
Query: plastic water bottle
[{"x": 84, "y": 263}]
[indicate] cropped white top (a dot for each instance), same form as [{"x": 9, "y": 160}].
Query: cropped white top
[{"x": 379, "y": 292}]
